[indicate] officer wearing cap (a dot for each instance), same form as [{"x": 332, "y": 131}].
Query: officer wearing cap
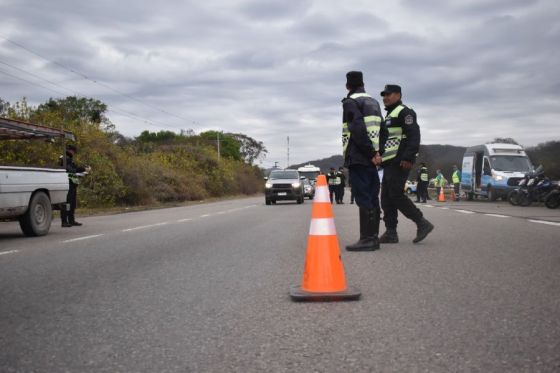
[
  {"x": 75, "y": 173},
  {"x": 362, "y": 140},
  {"x": 401, "y": 148}
]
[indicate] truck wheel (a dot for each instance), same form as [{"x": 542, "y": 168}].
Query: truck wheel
[
  {"x": 492, "y": 195},
  {"x": 37, "y": 219}
]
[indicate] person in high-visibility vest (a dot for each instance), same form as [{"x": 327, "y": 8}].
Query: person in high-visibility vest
[
  {"x": 401, "y": 149},
  {"x": 362, "y": 140},
  {"x": 456, "y": 179},
  {"x": 331, "y": 181},
  {"x": 75, "y": 173},
  {"x": 422, "y": 186},
  {"x": 439, "y": 182}
]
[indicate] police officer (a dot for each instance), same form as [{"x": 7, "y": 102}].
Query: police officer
[
  {"x": 75, "y": 173},
  {"x": 342, "y": 185},
  {"x": 401, "y": 148},
  {"x": 422, "y": 188},
  {"x": 456, "y": 179},
  {"x": 331, "y": 181},
  {"x": 361, "y": 134}
]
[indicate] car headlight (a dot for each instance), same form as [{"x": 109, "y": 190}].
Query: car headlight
[
  {"x": 498, "y": 177},
  {"x": 268, "y": 185},
  {"x": 296, "y": 184}
]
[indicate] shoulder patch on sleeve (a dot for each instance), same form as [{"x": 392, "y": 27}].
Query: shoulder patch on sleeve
[{"x": 409, "y": 119}]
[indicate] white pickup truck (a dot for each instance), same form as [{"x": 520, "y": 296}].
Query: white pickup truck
[{"x": 29, "y": 194}]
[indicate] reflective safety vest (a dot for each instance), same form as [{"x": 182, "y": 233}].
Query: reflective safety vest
[
  {"x": 373, "y": 126},
  {"x": 423, "y": 174},
  {"x": 395, "y": 135},
  {"x": 332, "y": 180},
  {"x": 455, "y": 177}
]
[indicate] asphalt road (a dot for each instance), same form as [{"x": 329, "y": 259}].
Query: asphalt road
[{"x": 205, "y": 288}]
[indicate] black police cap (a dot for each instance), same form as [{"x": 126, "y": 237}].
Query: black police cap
[
  {"x": 391, "y": 88},
  {"x": 355, "y": 78}
]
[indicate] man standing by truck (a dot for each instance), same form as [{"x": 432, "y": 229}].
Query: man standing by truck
[
  {"x": 75, "y": 173},
  {"x": 400, "y": 153}
]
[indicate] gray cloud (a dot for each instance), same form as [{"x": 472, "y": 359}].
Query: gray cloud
[{"x": 472, "y": 70}]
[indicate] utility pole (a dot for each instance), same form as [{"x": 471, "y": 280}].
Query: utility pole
[
  {"x": 218, "y": 141},
  {"x": 288, "y": 165}
]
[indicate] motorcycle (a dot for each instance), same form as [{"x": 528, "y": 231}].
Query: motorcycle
[
  {"x": 538, "y": 187},
  {"x": 552, "y": 199},
  {"x": 514, "y": 196}
]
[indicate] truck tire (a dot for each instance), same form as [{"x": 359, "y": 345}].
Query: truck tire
[{"x": 37, "y": 219}]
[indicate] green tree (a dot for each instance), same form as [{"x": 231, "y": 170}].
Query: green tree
[
  {"x": 250, "y": 149},
  {"x": 229, "y": 146}
]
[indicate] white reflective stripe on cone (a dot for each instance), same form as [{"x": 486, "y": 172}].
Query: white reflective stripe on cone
[
  {"x": 322, "y": 194},
  {"x": 322, "y": 227}
]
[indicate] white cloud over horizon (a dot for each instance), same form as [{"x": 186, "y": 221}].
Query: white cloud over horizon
[{"x": 271, "y": 69}]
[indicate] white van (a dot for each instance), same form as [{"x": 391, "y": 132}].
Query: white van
[{"x": 492, "y": 170}]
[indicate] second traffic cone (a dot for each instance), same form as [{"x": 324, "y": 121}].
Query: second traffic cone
[
  {"x": 441, "y": 197},
  {"x": 323, "y": 276}
]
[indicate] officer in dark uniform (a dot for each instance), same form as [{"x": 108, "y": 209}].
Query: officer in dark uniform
[
  {"x": 401, "y": 148},
  {"x": 331, "y": 181},
  {"x": 75, "y": 172},
  {"x": 362, "y": 146},
  {"x": 342, "y": 185},
  {"x": 422, "y": 184}
]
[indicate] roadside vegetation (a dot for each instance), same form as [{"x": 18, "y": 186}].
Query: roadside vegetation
[{"x": 153, "y": 168}]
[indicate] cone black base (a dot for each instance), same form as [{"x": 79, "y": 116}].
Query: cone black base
[{"x": 299, "y": 295}]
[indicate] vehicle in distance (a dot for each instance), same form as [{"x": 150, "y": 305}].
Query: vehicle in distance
[
  {"x": 29, "y": 194},
  {"x": 284, "y": 185},
  {"x": 410, "y": 187},
  {"x": 310, "y": 172},
  {"x": 308, "y": 188}
]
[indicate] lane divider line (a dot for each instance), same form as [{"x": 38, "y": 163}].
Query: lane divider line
[
  {"x": 427, "y": 206},
  {"x": 144, "y": 227},
  {"x": 83, "y": 238},
  {"x": 545, "y": 222},
  {"x": 9, "y": 252},
  {"x": 205, "y": 215},
  {"x": 184, "y": 220},
  {"x": 444, "y": 208},
  {"x": 498, "y": 215},
  {"x": 465, "y": 211}
]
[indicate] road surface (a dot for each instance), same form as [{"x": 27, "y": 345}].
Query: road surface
[{"x": 205, "y": 288}]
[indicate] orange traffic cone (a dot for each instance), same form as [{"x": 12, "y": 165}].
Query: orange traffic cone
[
  {"x": 441, "y": 197},
  {"x": 323, "y": 276}
]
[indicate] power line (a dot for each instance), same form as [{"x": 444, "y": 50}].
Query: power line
[
  {"x": 83, "y": 76},
  {"x": 117, "y": 110}
]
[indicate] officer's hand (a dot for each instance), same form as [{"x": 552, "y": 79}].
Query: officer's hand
[{"x": 406, "y": 165}]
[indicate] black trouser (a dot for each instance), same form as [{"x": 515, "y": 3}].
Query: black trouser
[
  {"x": 365, "y": 186},
  {"x": 67, "y": 212},
  {"x": 332, "y": 190},
  {"x": 456, "y": 189},
  {"x": 422, "y": 190},
  {"x": 341, "y": 193},
  {"x": 393, "y": 198}
]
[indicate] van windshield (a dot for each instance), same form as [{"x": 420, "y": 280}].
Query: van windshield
[
  {"x": 284, "y": 175},
  {"x": 508, "y": 163}
]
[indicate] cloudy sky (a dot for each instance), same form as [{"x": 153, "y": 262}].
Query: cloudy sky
[{"x": 472, "y": 70}]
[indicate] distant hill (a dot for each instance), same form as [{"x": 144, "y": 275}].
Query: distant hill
[{"x": 445, "y": 156}]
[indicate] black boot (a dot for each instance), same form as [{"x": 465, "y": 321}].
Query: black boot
[
  {"x": 390, "y": 236},
  {"x": 369, "y": 229},
  {"x": 64, "y": 217},
  {"x": 424, "y": 228}
]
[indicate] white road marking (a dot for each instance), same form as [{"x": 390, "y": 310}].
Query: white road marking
[
  {"x": 9, "y": 252},
  {"x": 144, "y": 227},
  {"x": 83, "y": 238},
  {"x": 465, "y": 211},
  {"x": 443, "y": 208},
  {"x": 427, "y": 205},
  {"x": 184, "y": 220},
  {"x": 545, "y": 222},
  {"x": 497, "y": 215},
  {"x": 205, "y": 215}
]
